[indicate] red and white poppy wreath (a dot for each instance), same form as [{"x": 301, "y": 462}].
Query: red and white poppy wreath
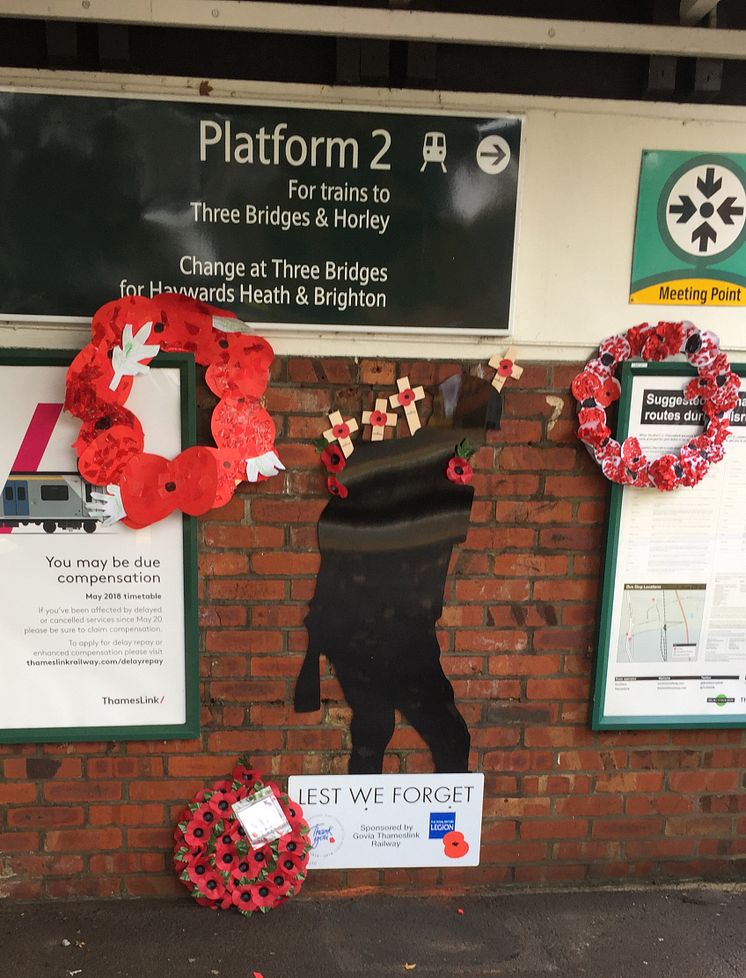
[
  {"x": 215, "y": 861},
  {"x": 716, "y": 385},
  {"x": 141, "y": 488}
]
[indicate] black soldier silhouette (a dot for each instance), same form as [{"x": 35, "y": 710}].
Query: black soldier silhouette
[{"x": 385, "y": 552}]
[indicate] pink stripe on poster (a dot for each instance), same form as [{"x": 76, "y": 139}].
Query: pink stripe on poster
[
  {"x": 37, "y": 437},
  {"x": 35, "y": 441}
]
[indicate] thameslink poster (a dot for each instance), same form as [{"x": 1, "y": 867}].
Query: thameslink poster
[
  {"x": 690, "y": 235},
  {"x": 380, "y": 820},
  {"x": 304, "y": 216},
  {"x": 93, "y": 630}
]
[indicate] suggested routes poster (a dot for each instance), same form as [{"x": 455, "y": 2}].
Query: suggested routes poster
[
  {"x": 97, "y": 624},
  {"x": 672, "y": 647}
]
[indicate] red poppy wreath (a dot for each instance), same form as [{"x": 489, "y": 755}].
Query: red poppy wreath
[
  {"x": 140, "y": 488},
  {"x": 216, "y": 861},
  {"x": 716, "y": 385}
]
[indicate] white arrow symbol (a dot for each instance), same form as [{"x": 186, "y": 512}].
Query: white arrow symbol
[{"x": 493, "y": 154}]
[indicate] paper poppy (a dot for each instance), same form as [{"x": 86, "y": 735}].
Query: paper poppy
[
  {"x": 333, "y": 459},
  {"x": 585, "y": 386},
  {"x": 341, "y": 430},
  {"x": 247, "y": 776},
  {"x": 259, "y": 859},
  {"x": 505, "y": 368},
  {"x": 264, "y": 894},
  {"x": 204, "y": 814},
  {"x": 290, "y": 863},
  {"x": 241, "y": 871},
  {"x": 198, "y": 869},
  {"x": 405, "y": 397},
  {"x": 226, "y": 858},
  {"x": 459, "y": 471},
  {"x": 454, "y": 845},
  {"x": 243, "y": 900},
  {"x": 196, "y": 833},
  {"x": 211, "y": 885},
  {"x": 378, "y": 419},
  {"x": 608, "y": 392},
  {"x": 223, "y": 798},
  {"x": 336, "y": 488},
  {"x": 282, "y": 884},
  {"x": 292, "y": 843},
  {"x": 663, "y": 472}
]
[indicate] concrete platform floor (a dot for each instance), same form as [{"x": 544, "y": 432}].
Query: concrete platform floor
[{"x": 697, "y": 932}]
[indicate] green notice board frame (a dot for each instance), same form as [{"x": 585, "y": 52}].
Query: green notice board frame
[
  {"x": 716, "y": 684},
  {"x": 182, "y": 367}
]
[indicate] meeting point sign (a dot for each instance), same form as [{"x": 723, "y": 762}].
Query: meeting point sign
[{"x": 690, "y": 234}]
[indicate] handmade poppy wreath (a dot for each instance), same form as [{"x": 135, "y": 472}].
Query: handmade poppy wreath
[
  {"x": 140, "y": 488},
  {"x": 716, "y": 385},
  {"x": 215, "y": 860}
]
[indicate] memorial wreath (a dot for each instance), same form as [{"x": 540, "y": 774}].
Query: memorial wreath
[
  {"x": 217, "y": 862},
  {"x": 716, "y": 385}
]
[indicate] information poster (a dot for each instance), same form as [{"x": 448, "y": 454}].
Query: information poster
[
  {"x": 690, "y": 234},
  {"x": 672, "y": 649},
  {"x": 347, "y": 219},
  {"x": 383, "y": 820},
  {"x": 98, "y": 626}
]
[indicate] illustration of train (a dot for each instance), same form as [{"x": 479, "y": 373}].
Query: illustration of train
[{"x": 52, "y": 500}]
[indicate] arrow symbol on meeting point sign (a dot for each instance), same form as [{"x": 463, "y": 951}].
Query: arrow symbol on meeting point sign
[
  {"x": 727, "y": 210},
  {"x": 709, "y": 185},
  {"x": 704, "y": 233},
  {"x": 685, "y": 209}
]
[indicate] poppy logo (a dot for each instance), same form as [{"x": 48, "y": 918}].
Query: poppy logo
[{"x": 326, "y": 834}]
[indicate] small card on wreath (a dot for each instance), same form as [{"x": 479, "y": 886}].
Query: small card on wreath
[{"x": 262, "y": 818}]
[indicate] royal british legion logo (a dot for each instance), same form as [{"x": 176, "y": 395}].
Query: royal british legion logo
[{"x": 440, "y": 823}]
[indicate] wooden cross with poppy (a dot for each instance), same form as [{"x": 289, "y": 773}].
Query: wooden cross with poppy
[
  {"x": 506, "y": 367},
  {"x": 406, "y": 398},
  {"x": 379, "y": 420},
  {"x": 340, "y": 432}
]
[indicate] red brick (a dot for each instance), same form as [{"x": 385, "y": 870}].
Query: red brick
[
  {"x": 226, "y": 565},
  {"x": 627, "y": 781},
  {"x": 82, "y": 886},
  {"x": 244, "y": 640},
  {"x": 44, "y": 817},
  {"x": 530, "y": 565},
  {"x": 554, "y": 828},
  {"x": 525, "y": 458},
  {"x": 557, "y": 689},
  {"x": 285, "y": 563},
  {"x": 127, "y": 862},
  {"x": 245, "y": 741},
  {"x": 251, "y": 590},
  {"x": 82, "y": 840},
  {"x": 243, "y": 537},
  {"x": 704, "y": 780},
  {"x": 172, "y": 790},
  {"x": 127, "y": 814},
  {"x": 221, "y": 616},
  {"x": 19, "y": 842},
  {"x": 286, "y": 511},
  {"x": 626, "y": 828},
  {"x": 492, "y": 590},
  {"x": 17, "y": 794}
]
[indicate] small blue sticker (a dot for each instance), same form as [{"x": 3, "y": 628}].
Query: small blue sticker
[{"x": 440, "y": 823}]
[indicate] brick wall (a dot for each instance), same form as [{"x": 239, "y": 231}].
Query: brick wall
[{"x": 562, "y": 804}]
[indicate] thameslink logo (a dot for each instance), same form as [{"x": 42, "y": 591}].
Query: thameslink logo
[
  {"x": 132, "y": 700},
  {"x": 441, "y": 823}
]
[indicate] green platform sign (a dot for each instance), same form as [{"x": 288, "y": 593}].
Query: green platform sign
[{"x": 312, "y": 217}]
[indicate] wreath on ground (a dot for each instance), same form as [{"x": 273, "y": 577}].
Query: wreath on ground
[
  {"x": 716, "y": 385},
  {"x": 215, "y": 859}
]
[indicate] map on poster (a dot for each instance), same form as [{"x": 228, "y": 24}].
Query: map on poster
[
  {"x": 672, "y": 650},
  {"x": 380, "y": 820},
  {"x": 93, "y": 626}
]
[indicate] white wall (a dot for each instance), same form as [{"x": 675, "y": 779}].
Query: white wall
[{"x": 580, "y": 166}]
